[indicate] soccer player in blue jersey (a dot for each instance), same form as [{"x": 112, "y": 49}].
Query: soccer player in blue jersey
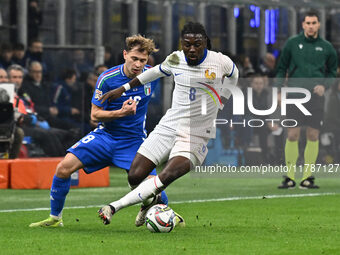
[{"x": 120, "y": 132}]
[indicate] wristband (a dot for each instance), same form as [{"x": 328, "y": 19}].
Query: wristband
[{"x": 127, "y": 86}]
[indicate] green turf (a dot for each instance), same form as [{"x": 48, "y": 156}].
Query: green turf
[{"x": 300, "y": 225}]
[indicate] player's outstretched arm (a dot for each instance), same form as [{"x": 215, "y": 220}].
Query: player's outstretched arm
[
  {"x": 144, "y": 78},
  {"x": 117, "y": 93}
]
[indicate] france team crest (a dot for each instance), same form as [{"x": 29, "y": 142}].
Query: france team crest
[{"x": 147, "y": 89}]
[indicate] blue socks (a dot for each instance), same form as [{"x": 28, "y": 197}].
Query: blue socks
[
  {"x": 164, "y": 198},
  {"x": 60, "y": 188}
]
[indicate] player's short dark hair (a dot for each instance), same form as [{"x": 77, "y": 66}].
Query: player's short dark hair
[
  {"x": 311, "y": 13},
  {"x": 195, "y": 28}
]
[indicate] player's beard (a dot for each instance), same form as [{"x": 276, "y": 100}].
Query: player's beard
[{"x": 193, "y": 62}]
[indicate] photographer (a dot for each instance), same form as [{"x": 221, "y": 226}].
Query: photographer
[{"x": 18, "y": 132}]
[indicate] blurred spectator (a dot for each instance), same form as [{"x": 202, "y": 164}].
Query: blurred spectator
[
  {"x": 80, "y": 64},
  {"x": 109, "y": 59},
  {"x": 155, "y": 112},
  {"x": 3, "y": 76},
  {"x": 277, "y": 131},
  {"x": 332, "y": 117},
  {"x": 260, "y": 102},
  {"x": 268, "y": 66},
  {"x": 89, "y": 88},
  {"x": 34, "y": 19},
  {"x": 18, "y": 132},
  {"x": 245, "y": 66},
  {"x": 151, "y": 61},
  {"x": 99, "y": 69},
  {"x": 19, "y": 54},
  {"x": 35, "y": 52},
  {"x": 33, "y": 126},
  {"x": 38, "y": 90},
  {"x": 67, "y": 99},
  {"x": 6, "y": 53}
]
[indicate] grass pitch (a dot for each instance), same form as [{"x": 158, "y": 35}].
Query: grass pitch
[{"x": 232, "y": 216}]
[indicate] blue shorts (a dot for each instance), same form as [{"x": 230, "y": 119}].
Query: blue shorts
[{"x": 100, "y": 149}]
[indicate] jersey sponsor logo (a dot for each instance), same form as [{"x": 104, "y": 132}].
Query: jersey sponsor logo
[
  {"x": 98, "y": 94},
  {"x": 147, "y": 89},
  {"x": 210, "y": 76},
  {"x": 318, "y": 48},
  {"x": 300, "y": 46}
]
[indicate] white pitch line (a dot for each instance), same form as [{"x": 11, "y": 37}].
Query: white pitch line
[
  {"x": 187, "y": 201},
  {"x": 255, "y": 197}
]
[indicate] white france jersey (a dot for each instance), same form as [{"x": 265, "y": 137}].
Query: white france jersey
[{"x": 197, "y": 93}]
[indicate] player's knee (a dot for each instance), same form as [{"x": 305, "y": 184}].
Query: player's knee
[
  {"x": 312, "y": 134},
  {"x": 293, "y": 137},
  {"x": 63, "y": 171},
  {"x": 313, "y": 137},
  {"x": 134, "y": 178}
]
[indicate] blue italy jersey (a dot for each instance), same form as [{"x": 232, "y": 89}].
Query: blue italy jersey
[{"x": 128, "y": 126}]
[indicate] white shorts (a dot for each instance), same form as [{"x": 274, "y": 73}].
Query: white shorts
[{"x": 163, "y": 144}]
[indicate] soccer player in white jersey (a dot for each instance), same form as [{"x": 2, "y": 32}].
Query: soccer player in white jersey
[{"x": 182, "y": 134}]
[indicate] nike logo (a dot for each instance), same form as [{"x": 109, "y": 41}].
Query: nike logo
[
  {"x": 176, "y": 74},
  {"x": 140, "y": 196}
]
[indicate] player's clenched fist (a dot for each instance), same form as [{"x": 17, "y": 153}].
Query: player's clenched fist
[{"x": 129, "y": 107}]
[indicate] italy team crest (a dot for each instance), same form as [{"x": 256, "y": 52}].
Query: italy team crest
[{"x": 147, "y": 89}]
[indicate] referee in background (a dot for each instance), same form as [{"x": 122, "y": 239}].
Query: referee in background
[{"x": 309, "y": 62}]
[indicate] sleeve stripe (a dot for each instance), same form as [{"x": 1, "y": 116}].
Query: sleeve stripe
[
  {"x": 232, "y": 71},
  {"x": 102, "y": 76},
  {"x": 160, "y": 68}
]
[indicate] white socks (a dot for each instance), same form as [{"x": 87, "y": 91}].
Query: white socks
[
  {"x": 145, "y": 190},
  {"x": 147, "y": 201}
]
